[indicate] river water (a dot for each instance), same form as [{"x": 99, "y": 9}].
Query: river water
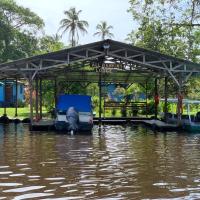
[{"x": 121, "y": 163}]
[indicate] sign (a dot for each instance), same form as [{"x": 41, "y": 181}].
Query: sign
[{"x": 107, "y": 67}]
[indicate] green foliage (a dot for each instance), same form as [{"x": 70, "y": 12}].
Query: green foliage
[
  {"x": 151, "y": 108},
  {"x": 169, "y": 27},
  {"x": 50, "y": 44},
  {"x": 18, "y": 16},
  {"x": 123, "y": 112},
  {"x": 48, "y": 94},
  {"x": 18, "y": 28},
  {"x": 192, "y": 89},
  {"x": 21, "y": 104},
  {"x": 113, "y": 112},
  {"x": 134, "y": 111},
  {"x": 103, "y": 30},
  {"x": 73, "y": 25}
]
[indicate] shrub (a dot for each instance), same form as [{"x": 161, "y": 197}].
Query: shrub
[
  {"x": 123, "y": 112},
  {"x": 21, "y": 104},
  {"x": 113, "y": 112}
]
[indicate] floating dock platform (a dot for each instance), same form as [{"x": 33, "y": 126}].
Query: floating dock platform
[
  {"x": 48, "y": 125},
  {"x": 160, "y": 125}
]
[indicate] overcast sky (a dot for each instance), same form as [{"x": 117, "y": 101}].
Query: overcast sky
[{"x": 94, "y": 11}]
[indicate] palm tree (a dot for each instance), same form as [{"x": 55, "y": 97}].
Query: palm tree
[
  {"x": 103, "y": 30},
  {"x": 73, "y": 25}
]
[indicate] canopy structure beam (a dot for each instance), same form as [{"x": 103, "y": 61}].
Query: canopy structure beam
[
  {"x": 125, "y": 58},
  {"x": 104, "y": 61}
]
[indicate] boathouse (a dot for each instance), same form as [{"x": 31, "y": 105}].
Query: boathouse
[{"x": 101, "y": 62}]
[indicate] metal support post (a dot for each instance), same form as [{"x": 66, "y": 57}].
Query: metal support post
[
  {"x": 166, "y": 97},
  {"x": 31, "y": 99},
  {"x": 36, "y": 98},
  {"x": 40, "y": 92},
  {"x": 5, "y": 95},
  {"x": 156, "y": 97},
  {"x": 55, "y": 92},
  {"x": 100, "y": 91},
  {"x": 16, "y": 97}
]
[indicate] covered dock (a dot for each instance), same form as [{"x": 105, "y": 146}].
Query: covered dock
[{"x": 101, "y": 62}]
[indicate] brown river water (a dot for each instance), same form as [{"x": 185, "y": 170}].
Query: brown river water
[{"x": 121, "y": 163}]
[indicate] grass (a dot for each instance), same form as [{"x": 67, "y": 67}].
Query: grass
[{"x": 22, "y": 112}]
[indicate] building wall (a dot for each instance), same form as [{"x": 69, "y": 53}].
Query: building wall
[
  {"x": 13, "y": 98},
  {"x": 20, "y": 92},
  {"x": 1, "y": 93}
]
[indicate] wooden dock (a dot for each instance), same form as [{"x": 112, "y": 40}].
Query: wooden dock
[
  {"x": 43, "y": 125},
  {"x": 48, "y": 125},
  {"x": 160, "y": 125}
]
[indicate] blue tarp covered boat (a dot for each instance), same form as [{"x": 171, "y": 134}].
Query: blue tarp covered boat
[{"x": 74, "y": 113}]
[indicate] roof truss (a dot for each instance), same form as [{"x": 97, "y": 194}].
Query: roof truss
[{"x": 130, "y": 59}]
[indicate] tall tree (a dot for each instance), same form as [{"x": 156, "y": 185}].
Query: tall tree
[
  {"x": 103, "y": 30},
  {"x": 73, "y": 25},
  {"x": 18, "y": 29},
  {"x": 50, "y": 43},
  {"x": 167, "y": 26}
]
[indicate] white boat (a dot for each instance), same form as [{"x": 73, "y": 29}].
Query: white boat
[{"x": 74, "y": 113}]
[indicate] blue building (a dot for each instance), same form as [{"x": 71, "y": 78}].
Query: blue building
[{"x": 8, "y": 92}]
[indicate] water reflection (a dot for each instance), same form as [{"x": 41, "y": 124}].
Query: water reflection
[{"x": 122, "y": 163}]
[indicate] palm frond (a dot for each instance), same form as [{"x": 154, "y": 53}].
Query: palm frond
[
  {"x": 103, "y": 30},
  {"x": 72, "y": 24}
]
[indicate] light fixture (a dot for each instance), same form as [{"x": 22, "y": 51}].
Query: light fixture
[{"x": 106, "y": 46}]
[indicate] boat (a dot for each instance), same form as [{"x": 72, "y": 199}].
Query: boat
[
  {"x": 74, "y": 113},
  {"x": 188, "y": 121}
]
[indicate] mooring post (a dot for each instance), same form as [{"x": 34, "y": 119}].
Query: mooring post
[
  {"x": 5, "y": 94},
  {"x": 166, "y": 96},
  {"x": 156, "y": 98},
  {"x": 40, "y": 92},
  {"x": 16, "y": 97},
  {"x": 36, "y": 98}
]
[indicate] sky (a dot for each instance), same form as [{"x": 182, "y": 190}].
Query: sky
[{"x": 93, "y": 11}]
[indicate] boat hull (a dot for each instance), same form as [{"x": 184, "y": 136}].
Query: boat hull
[
  {"x": 64, "y": 126},
  {"x": 192, "y": 127}
]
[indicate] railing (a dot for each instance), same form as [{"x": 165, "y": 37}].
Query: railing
[{"x": 135, "y": 104}]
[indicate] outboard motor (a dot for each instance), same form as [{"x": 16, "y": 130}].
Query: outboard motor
[{"x": 72, "y": 118}]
